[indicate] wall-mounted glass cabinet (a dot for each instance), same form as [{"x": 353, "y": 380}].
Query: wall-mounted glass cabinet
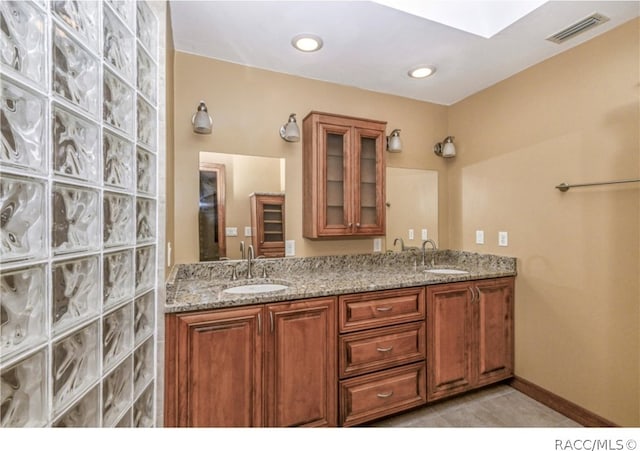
[{"x": 343, "y": 176}]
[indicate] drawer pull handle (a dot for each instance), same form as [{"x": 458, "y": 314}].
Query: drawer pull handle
[
  {"x": 385, "y": 395},
  {"x": 384, "y": 309},
  {"x": 385, "y": 349}
]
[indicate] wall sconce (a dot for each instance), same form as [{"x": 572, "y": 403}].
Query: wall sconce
[
  {"x": 202, "y": 122},
  {"x": 446, "y": 148},
  {"x": 290, "y": 131},
  {"x": 394, "y": 144}
]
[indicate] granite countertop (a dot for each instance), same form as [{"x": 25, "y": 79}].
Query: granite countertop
[{"x": 200, "y": 286}]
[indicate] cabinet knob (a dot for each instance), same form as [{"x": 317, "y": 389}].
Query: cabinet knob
[{"x": 357, "y": 224}]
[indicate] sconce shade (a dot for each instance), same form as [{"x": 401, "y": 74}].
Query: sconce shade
[
  {"x": 290, "y": 131},
  {"x": 394, "y": 144},
  {"x": 202, "y": 122},
  {"x": 446, "y": 148}
]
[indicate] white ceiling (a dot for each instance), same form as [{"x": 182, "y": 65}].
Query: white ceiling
[{"x": 372, "y": 46}]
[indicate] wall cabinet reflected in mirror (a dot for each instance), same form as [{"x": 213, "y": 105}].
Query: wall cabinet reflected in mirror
[
  {"x": 226, "y": 184},
  {"x": 267, "y": 224}
]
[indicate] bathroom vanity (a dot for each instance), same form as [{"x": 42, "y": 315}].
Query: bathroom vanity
[{"x": 339, "y": 341}]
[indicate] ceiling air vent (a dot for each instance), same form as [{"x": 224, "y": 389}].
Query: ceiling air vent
[{"x": 585, "y": 24}]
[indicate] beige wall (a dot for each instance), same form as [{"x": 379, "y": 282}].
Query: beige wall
[
  {"x": 572, "y": 118},
  {"x": 248, "y": 107}
]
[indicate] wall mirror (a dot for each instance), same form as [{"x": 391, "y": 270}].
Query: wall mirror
[
  {"x": 412, "y": 204},
  {"x": 226, "y": 184}
]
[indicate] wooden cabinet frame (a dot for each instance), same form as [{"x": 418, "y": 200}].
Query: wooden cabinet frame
[
  {"x": 317, "y": 174},
  {"x": 284, "y": 364},
  {"x": 382, "y": 353},
  {"x": 470, "y": 335},
  {"x": 253, "y": 366}
]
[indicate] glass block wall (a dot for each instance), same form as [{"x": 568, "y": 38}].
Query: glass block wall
[{"x": 78, "y": 213}]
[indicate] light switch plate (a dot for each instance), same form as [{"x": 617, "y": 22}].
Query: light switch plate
[
  {"x": 411, "y": 234},
  {"x": 479, "y": 236},
  {"x": 247, "y": 230},
  {"x": 424, "y": 235},
  {"x": 503, "y": 239},
  {"x": 231, "y": 231},
  {"x": 377, "y": 245},
  {"x": 289, "y": 248}
]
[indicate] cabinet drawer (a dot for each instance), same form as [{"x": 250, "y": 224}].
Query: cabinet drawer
[
  {"x": 373, "y": 350},
  {"x": 381, "y": 308},
  {"x": 365, "y": 398}
]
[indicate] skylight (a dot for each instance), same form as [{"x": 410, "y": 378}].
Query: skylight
[{"x": 480, "y": 17}]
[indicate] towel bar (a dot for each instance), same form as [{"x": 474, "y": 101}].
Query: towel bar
[{"x": 564, "y": 187}]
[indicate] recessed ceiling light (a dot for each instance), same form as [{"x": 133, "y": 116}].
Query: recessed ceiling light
[
  {"x": 307, "y": 42},
  {"x": 421, "y": 72}
]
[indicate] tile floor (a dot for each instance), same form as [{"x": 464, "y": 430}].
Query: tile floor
[{"x": 496, "y": 406}]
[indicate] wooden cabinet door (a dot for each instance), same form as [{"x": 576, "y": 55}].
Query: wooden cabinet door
[
  {"x": 301, "y": 369},
  {"x": 450, "y": 331},
  {"x": 332, "y": 192},
  {"x": 367, "y": 185},
  {"x": 494, "y": 340},
  {"x": 214, "y": 373}
]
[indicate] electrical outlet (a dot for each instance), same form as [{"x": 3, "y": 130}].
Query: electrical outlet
[
  {"x": 411, "y": 235},
  {"x": 424, "y": 235},
  {"x": 479, "y": 236},
  {"x": 289, "y": 248},
  {"x": 231, "y": 231},
  {"x": 503, "y": 239},
  {"x": 377, "y": 245},
  {"x": 247, "y": 231}
]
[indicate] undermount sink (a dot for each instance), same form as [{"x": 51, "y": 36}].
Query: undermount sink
[
  {"x": 256, "y": 288},
  {"x": 447, "y": 271}
]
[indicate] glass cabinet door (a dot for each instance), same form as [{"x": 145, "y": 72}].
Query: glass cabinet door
[
  {"x": 368, "y": 184},
  {"x": 334, "y": 203},
  {"x": 273, "y": 223}
]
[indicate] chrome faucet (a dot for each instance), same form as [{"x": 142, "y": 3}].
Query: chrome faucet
[
  {"x": 242, "y": 250},
  {"x": 403, "y": 247},
  {"x": 250, "y": 256},
  {"x": 435, "y": 248}
]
